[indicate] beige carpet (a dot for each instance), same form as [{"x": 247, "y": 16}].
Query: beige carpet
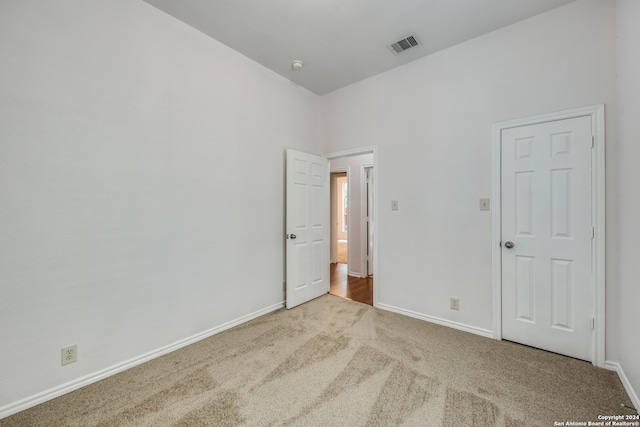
[{"x": 333, "y": 362}]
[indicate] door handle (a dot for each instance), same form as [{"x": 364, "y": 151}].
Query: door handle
[
  {"x": 291, "y": 236},
  {"x": 509, "y": 245}
]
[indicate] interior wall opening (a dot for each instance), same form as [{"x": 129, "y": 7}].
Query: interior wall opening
[{"x": 352, "y": 229}]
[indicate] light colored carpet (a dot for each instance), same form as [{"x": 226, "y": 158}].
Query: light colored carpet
[
  {"x": 342, "y": 251},
  {"x": 333, "y": 362}
]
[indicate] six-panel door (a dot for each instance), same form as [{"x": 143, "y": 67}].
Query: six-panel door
[
  {"x": 307, "y": 227},
  {"x": 546, "y": 214}
]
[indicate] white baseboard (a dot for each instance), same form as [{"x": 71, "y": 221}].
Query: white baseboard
[
  {"x": 455, "y": 325},
  {"x": 615, "y": 366},
  {"x": 52, "y": 393}
]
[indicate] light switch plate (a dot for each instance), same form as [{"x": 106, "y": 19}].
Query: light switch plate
[
  {"x": 394, "y": 205},
  {"x": 485, "y": 204}
]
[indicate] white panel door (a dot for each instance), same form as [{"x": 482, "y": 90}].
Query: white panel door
[
  {"x": 307, "y": 227},
  {"x": 546, "y": 236}
]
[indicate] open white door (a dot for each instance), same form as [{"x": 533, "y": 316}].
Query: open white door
[{"x": 307, "y": 227}]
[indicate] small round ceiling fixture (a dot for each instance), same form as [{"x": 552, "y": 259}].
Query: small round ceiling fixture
[{"x": 297, "y": 64}]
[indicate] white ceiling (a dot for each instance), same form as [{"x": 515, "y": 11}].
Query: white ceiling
[{"x": 344, "y": 41}]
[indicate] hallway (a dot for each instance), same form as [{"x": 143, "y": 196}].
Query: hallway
[{"x": 351, "y": 288}]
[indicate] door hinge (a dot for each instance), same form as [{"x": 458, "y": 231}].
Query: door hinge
[
  {"x": 593, "y": 232},
  {"x": 593, "y": 323},
  {"x": 593, "y": 141}
]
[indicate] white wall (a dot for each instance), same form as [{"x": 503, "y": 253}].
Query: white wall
[
  {"x": 628, "y": 214},
  {"x": 355, "y": 246},
  {"x": 141, "y": 185},
  {"x": 431, "y": 120}
]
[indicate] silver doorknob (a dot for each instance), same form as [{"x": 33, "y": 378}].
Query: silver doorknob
[
  {"x": 509, "y": 245},
  {"x": 293, "y": 236}
]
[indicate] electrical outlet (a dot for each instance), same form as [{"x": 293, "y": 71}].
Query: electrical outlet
[
  {"x": 69, "y": 354},
  {"x": 455, "y": 304}
]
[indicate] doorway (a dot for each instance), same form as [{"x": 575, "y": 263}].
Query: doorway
[
  {"x": 352, "y": 226},
  {"x": 548, "y": 222}
]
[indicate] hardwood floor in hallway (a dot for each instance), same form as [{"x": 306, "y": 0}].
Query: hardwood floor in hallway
[{"x": 352, "y": 288}]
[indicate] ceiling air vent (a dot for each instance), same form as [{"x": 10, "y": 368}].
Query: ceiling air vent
[{"x": 404, "y": 44}]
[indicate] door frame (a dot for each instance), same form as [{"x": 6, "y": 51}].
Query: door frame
[
  {"x": 596, "y": 112},
  {"x": 373, "y": 149},
  {"x": 364, "y": 220}
]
